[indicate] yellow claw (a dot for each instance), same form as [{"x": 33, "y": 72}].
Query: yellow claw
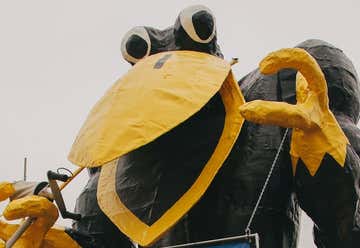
[
  {"x": 54, "y": 238},
  {"x": 302, "y": 61},
  {"x": 6, "y": 190},
  {"x": 32, "y": 206},
  {"x": 37, "y": 207},
  {"x": 272, "y": 113},
  {"x": 316, "y": 131},
  {"x": 39, "y": 234}
]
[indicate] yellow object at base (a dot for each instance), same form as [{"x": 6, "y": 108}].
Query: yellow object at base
[
  {"x": 6, "y": 190},
  {"x": 211, "y": 75},
  {"x": 38, "y": 207},
  {"x": 56, "y": 237},
  {"x": 316, "y": 131},
  {"x": 156, "y": 95},
  {"x": 39, "y": 234}
]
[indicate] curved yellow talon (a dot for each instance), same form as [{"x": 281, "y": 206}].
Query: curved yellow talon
[
  {"x": 40, "y": 208},
  {"x": 40, "y": 234},
  {"x": 31, "y": 206},
  {"x": 302, "y": 61},
  {"x": 316, "y": 131}
]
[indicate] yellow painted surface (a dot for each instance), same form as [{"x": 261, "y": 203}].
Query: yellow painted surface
[
  {"x": 54, "y": 238},
  {"x": 316, "y": 130},
  {"x": 39, "y": 234},
  {"x": 146, "y": 103},
  {"x": 6, "y": 190},
  {"x": 39, "y": 207},
  {"x": 133, "y": 227},
  {"x": 57, "y": 238}
]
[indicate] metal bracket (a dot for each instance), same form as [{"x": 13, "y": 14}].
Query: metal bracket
[{"x": 53, "y": 177}]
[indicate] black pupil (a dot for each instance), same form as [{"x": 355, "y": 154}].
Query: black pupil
[
  {"x": 203, "y": 24},
  {"x": 136, "y": 46}
]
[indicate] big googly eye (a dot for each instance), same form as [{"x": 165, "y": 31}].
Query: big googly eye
[
  {"x": 199, "y": 23},
  {"x": 135, "y": 45}
]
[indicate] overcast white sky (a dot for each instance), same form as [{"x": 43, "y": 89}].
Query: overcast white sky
[{"x": 57, "y": 58}]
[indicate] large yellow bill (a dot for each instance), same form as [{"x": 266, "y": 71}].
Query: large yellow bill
[
  {"x": 156, "y": 95},
  {"x": 115, "y": 208}
]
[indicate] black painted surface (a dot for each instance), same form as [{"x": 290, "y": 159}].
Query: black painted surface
[
  {"x": 184, "y": 42},
  {"x": 136, "y": 46},
  {"x": 203, "y": 24},
  {"x": 151, "y": 178},
  {"x": 95, "y": 230},
  {"x": 175, "y": 38},
  {"x": 330, "y": 199},
  {"x": 226, "y": 207},
  {"x": 341, "y": 77}
]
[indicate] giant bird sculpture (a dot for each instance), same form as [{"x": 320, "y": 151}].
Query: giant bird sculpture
[{"x": 178, "y": 151}]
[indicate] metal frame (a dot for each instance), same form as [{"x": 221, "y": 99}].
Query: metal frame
[{"x": 254, "y": 236}]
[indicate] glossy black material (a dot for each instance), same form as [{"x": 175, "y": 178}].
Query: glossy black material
[
  {"x": 136, "y": 46},
  {"x": 95, "y": 230},
  {"x": 150, "y": 179},
  {"x": 330, "y": 197},
  {"x": 203, "y": 24}
]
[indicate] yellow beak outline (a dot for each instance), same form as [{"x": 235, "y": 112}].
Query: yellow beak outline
[
  {"x": 156, "y": 95},
  {"x": 195, "y": 76}
]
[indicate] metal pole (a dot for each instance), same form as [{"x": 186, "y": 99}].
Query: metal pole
[
  {"x": 24, "y": 226},
  {"x": 25, "y": 168},
  {"x": 212, "y": 241}
]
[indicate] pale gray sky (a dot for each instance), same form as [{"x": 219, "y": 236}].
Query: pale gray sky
[{"x": 57, "y": 58}]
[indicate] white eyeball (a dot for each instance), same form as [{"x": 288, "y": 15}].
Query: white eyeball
[
  {"x": 135, "y": 45},
  {"x": 199, "y": 23}
]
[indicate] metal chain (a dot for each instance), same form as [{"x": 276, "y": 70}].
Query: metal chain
[{"x": 247, "y": 229}]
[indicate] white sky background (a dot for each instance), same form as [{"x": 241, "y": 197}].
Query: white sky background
[{"x": 57, "y": 58}]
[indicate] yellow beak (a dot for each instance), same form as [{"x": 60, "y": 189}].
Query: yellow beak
[{"x": 156, "y": 95}]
